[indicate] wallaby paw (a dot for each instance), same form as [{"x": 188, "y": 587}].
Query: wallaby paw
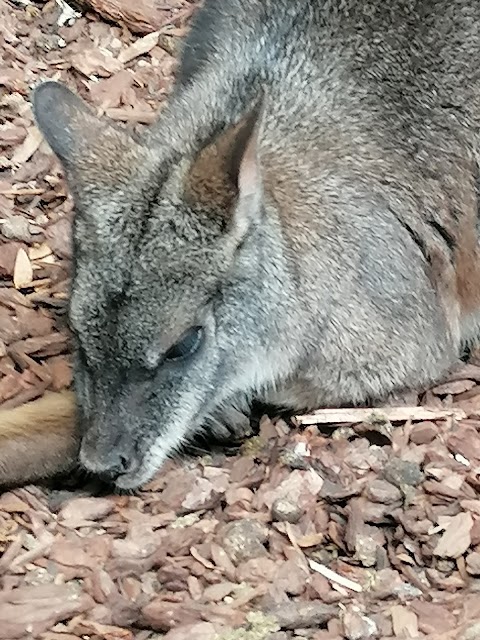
[{"x": 228, "y": 426}]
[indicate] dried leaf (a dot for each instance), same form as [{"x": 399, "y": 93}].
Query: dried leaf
[
  {"x": 457, "y": 537},
  {"x": 23, "y": 271}
]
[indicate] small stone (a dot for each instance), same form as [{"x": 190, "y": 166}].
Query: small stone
[
  {"x": 383, "y": 492},
  {"x": 367, "y": 543},
  {"x": 343, "y": 433},
  {"x": 302, "y": 615},
  {"x": 445, "y": 566},
  {"x": 403, "y": 473},
  {"x": 358, "y": 626},
  {"x": 217, "y": 592},
  {"x": 387, "y": 583},
  {"x": 244, "y": 540},
  {"x": 284, "y": 510},
  {"x": 384, "y": 624},
  {"x": 16, "y": 228},
  {"x": 471, "y": 633}
]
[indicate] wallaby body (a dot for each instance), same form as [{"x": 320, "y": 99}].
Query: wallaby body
[{"x": 300, "y": 226}]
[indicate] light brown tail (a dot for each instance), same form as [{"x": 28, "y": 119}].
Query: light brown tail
[{"x": 38, "y": 439}]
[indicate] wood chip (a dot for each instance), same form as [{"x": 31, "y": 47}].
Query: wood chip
[
  {"x": 206, "y": 563},
  {"x": 335, "y": 577},
  {"x": 22, "y": 192},
  {"x": 454, "y": 387},
  {"x": 139, "y": 47},
  {"x": 311, "y": 540},
  {"x": 140, "y": 16},
  {"x": 390, "y": 414},
  {"x": 404, "y": 622},
  {"x": 40, "y": 252}
]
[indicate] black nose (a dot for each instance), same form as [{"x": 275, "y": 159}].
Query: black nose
[
  {"x": 109, "y": 465},
  {"x": 118, "y": 466}
]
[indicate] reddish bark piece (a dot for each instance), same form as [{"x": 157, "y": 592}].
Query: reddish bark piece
[
  {"x": 432, "y": 617},
  {"x": 8, "y": 255},
  {"x": 162, "y": 615},
  {"x": 11, "y": 503},
  {"x": 465, "y": 441},
  {"x": 86, "y": 509},
  {"x": 454, "y": 387},
  {"x": 33, "y": 610},
  {"x": 142, "y": 16},
  {"x": 107, "y": 93},
  {"x": 424, "y": 432}
]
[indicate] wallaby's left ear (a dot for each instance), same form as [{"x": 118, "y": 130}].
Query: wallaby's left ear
[{"x": 247, "y": 167}]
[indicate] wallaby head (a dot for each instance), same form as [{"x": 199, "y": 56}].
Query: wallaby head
[{"x": 166, "y": 250}]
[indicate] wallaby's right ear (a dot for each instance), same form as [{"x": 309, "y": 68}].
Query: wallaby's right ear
[{"x": 64, "y": 120}]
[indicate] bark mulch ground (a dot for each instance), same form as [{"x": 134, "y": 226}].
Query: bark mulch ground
[{"x": 359, "y": 527}]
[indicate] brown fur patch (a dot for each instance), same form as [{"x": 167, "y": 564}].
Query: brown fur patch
[
  {"x": 211, "y": 180},
  {"x": 53, "y": 413},
  {"x": 38, "y": 439}
]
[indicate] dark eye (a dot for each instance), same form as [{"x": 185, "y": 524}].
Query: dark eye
[{"x": 186, "y": 346}]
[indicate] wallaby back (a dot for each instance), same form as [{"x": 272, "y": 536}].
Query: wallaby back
[{"x": 299, "y": 227}]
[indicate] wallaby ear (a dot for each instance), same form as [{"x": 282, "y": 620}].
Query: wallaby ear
[
  {"x": 92, "y": 150},
  {"x": 64, "y": 119},
  {"x": 247, "y": 166}
]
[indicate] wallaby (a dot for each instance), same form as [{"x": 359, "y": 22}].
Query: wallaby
[{"x": 299, "y": 227}]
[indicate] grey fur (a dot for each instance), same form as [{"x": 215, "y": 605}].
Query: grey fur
[{"x": 331, "y": 256}]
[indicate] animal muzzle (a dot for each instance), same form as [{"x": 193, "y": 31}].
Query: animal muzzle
[{"x": 110, "y": 456}]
